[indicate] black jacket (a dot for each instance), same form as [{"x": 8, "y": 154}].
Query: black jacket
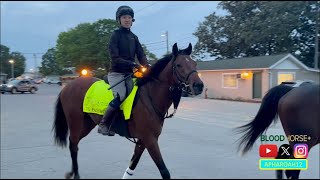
[{"x": 123, "y": 47}]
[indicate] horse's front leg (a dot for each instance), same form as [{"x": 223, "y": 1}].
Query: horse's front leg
[
  {"x": 154, "y": 151},
  {"x": 138, "y": 150}
]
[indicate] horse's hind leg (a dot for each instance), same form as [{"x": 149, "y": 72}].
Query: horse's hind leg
[
  {"x": 73, "y": 147},
  {"x": 138, "y": 150},
  {"x": 292, "y": 174},
  {"x": 279, "y": 174},
  {"x": 77, "y": 127}
]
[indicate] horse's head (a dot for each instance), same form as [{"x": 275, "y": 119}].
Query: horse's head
[{"x": 184, "y": 70}]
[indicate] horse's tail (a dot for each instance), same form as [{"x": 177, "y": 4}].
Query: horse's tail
[
  {"x": 266, "y": 114},
  {"x": 60, "y": 126}
]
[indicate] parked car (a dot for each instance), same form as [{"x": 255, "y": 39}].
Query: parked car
[
  {"x": 16, "y": 85},
  {"x": 298, "y": 83},
  {"x": 53, "y": 80},
  {"x": 38, "y": 80}
]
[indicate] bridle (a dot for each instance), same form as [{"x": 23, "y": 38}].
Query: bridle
[
  {"x": 181, "y": 83},
  {"x": 175, "y": 90}
]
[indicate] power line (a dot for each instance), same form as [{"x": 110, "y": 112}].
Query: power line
[
  {"x": 145, "y": 7},
  {"x": 169, "y": 25},
  {"x": 153, "y": 42},
  {"x": 158, "y": 49}
]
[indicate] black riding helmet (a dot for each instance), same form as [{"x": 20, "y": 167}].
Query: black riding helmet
[{"x": 124, "y": 10}]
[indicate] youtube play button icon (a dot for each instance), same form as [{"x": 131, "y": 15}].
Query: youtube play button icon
[{"x": 268, "y": 150}]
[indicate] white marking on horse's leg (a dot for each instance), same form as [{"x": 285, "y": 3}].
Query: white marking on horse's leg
[{"x": 128, "y": 173}]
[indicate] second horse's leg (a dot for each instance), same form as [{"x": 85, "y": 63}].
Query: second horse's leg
[{"x": 138, "y": 150}]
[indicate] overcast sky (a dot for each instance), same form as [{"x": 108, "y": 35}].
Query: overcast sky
[{"x": 33, "y": 27}]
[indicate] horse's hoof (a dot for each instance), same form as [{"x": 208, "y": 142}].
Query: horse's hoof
[
  {"x": 76, "y": 176},
  {"x": 68, "y": 175}
]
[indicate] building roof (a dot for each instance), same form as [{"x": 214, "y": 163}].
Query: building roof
[{"x": 241, "y": 63}]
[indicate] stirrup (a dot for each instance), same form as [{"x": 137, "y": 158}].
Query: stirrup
[
  {"x": 111, "y": 132},
  {"x": 108, "y": 132}
]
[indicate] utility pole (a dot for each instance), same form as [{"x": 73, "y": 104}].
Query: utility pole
[
  {"x": 35, "y": 65},
  {"x": 12, "y": 67},
  {"x": 167, "y": 40},
  {"x": 316, "y": 48},
  {"x": 167, "y": 37}
]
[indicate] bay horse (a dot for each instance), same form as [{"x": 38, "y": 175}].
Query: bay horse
[
  {"x": 174, "y": 71},
  {"x": 299, "y": 112}
]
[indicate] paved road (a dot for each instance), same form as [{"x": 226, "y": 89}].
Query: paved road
[{"x": 197, "y": 143}]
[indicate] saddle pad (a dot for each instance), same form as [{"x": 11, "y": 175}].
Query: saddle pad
[{"x": 98, "y": 97}]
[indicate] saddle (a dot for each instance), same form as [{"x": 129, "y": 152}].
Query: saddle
[{"x": 97, "y": 99}]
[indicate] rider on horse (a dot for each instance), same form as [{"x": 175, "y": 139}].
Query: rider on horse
[{"x": 123, "y": 47}]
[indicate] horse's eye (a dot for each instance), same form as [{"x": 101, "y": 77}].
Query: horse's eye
[{"x": 178, "y": 65}]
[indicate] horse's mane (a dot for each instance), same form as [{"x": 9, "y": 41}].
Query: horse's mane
[{"x": 155, "y": 70}]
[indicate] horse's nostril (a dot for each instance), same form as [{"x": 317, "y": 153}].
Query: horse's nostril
[
  {"x": 198, "y": 85},
  {"x": 201, "y": 85}
]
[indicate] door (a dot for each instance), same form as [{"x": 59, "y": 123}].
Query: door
[
  {"x": 20, "y": 86},
  {"x": 257, "y": 85},
  {"x": 27, "y": 86}
]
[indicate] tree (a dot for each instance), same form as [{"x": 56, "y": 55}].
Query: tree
[
  {"x": 4, "y": 57},
  {"x": 104, "y": 28},
  {"x": 19, "y": 61},
  {"x": 49, "y": 65},
  {"x": 150, "y": 55},
  {"x": 86, "y": 45},
  {"x": 255, "y": 28}
]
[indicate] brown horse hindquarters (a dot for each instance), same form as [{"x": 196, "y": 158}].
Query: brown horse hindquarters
[
  {"x": 299, "y": 113},
  {"x": 298, "y": 110},
  {"x": 72, "y": 97}
]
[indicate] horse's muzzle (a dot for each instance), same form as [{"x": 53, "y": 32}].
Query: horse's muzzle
[{"x": 198, "y": 88}]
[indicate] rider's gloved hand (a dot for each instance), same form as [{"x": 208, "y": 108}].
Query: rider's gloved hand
[
  {"x": 136, "y": 65},
  {"x": 147, "y": 65}
]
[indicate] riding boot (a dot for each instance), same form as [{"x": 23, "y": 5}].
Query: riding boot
[
  {"x": 107, "y": 120},
  {"x": 106, "y": 123}
]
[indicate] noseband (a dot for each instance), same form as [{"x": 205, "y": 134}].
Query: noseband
[{"x": 182, "y": 83}]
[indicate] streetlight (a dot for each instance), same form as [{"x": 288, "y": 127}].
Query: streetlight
[
  {"x": 166, "y": 34},
  {"x": 11, "y": 61},
  {"x": 84, "y": 72}
]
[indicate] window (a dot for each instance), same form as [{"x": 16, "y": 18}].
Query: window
[
  {"x": 288, "y": 76},
  {"x": 229, "y": 81}
]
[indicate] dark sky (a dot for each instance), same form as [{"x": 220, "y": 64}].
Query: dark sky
[{"x": 33, "y": 27}]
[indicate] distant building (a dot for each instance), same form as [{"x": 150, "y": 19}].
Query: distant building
[
  {"x": 250, "y": 78},
  {"x": 3, "y": 78}
]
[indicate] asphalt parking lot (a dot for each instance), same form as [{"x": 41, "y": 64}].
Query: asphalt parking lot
[{"x": 197, "y": 143}]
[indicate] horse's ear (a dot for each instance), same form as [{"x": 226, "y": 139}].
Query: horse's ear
[
  {"x": 189, "y": 49},
  {"x": 175, "y": 49}
]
